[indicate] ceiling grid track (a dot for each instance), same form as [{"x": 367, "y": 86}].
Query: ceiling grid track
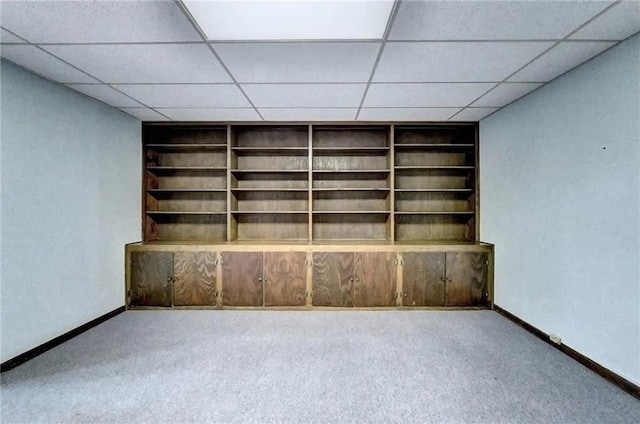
[
  {"x": 202, "y": 35},
  {"x": 554, "y": 45},
  {"x": 387, "y": 31},
  {"x": 37, "y": 46}
]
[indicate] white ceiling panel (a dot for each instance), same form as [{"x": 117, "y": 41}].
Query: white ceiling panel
[
  {"x": 305, "y": 95},
  {"x": 299, "y": 62},
  {"x": 560, "y": 59},
  {"x": 7, "y": 37},
  {"x": 36, "y": 60},
  {"x": 158, "y": 63},
  {"x": 291, "y": 20},
  {"x": 474, "y": 113},
  {"x": 454, "y": 62},
  {"x": 143, "y": 113},
  {"x": 97, "y": 21},
  {"x": 424, "y": 95},
  {"x": 504, "y": 94},
  {"x": 186, "y": 96},
  {"x": 617, "y": 23},
  {"x": 309, "y": 114},
  {"x": 105, "y": 94},
  {"x": 491, "y": 20},
  {"x": 406, "y": 114},
  {"x": 210, "y": 114}
]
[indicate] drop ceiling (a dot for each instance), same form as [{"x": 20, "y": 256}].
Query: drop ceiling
[{"x": 309, "y": 60}]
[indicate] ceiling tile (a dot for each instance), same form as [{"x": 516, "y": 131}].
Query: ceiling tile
[
  {"x": 291, "y": 20},
  {"x": 210, "y": 114},
  {"x": 97, "y": 21},
  {"x": 105, "y": 94},
  {"x": 140, "y": 63},
  {"x": 617, "y": 23},
  {"x": 491, "y": 20},
  {"x": 42, "y": 63},
  {"x": 424, "y": 95},
  {"x": 186, "y": 96},
  {"x": 560, "y": 59},
  {"x": 305, "y": 95},
  {"x": 473, "y": 113},
  {"x": 504, "y": 94},
  {"x": 454, "y": 62},
  {"x": 309, "y": 114},
  {"x": 406, "y": 114},
  {"x": 143, "y": 113},
  {"x": 299, "y": 62},
  {"x": 7, "y": 37}
]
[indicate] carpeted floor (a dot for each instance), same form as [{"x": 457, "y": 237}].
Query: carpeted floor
[{"x": 309, "y": 367}]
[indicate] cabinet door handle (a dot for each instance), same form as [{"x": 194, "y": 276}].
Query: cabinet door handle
[
  {"x": 357, "y": 280},
  {"x": 351, "y": 280},
  {"x": 448, "y": 280},
  {"x": 260, "y": 279},
  {"x": 169, "y": 280},
  {"x": 442, "y": 279}
]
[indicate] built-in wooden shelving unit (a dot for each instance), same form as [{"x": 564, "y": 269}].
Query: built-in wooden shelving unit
[{"x": 374, "y": 182}]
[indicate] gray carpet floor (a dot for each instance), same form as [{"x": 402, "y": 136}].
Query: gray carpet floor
[{"x": 309, "y": 367}]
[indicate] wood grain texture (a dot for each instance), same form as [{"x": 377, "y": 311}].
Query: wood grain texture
[
  {"x": 151, "y": 278},
  {"x": 285, "y": 278},
  {"x": 332, "y": 279},
  {"x": 194, "y": 278},
  {"x": 423, "y": 276},
  {"x": 466, "y": 279},
  {"x": 242, "y": 279},
  {"x": 375, "y": 281}
]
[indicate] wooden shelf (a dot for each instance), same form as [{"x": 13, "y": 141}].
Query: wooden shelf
[
  {"x": 434, "y": 213},
  {"x": 340, "y": 151},
  {"x": 186, "y": 147},
  {"x": 175, "y": 169},
  {"x": 269, "y": 171},
  {"x": 351, "y": 171},
  {"x": 352, "y": 189},
  {"x": 426, "y": 146},
  {"x": 249, "y": 190},
  {"x": 433, "y": 190},
  {"x": 352, "y": 212},
  {"x": 269, "y": 212},
  {"x": 185, "y": 190},
  {"x": 434, "y": 167},
  {"x": 271, "y": 151},
  {"x": 183, "y": 213}
]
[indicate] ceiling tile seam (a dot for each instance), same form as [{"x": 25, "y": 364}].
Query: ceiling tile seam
[
  {"x": 385, "y": 37},
  {"x": 497, "y": 40},
  {"x": 557, "y": 43},
  {"x": 79, "y": 70},
  {"x": 202, "y": 35}
]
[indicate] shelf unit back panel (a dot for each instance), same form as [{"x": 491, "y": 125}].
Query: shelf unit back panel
[{"x": 395, "y": 182}]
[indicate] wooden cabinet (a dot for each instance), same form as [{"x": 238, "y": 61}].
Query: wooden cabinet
[
  {"x": 194, "y": 279},
  {"x": 467, "y": 277},
  {"x": 445, "y": 279},
  {"x": 304, "y": 276},
  {"x": 353, "y": 279},
  {"x": 423, "y": 278},
  {"x": 151, "y": 279},
  {"x": 242, "y": 279}
]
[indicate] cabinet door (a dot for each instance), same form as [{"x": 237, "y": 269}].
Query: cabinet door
[
  {"x": 242, "y": 279},
  {"x": 285, "y": 278},
  {"x": 333, "y": 279},
  {"x": 151, "y": 278},
  {"x": 194, "y": 279},
  {"x": 423, "y": 276},
  {"x": 375, "y": 279},
  {"x": 466, "y": 279}
]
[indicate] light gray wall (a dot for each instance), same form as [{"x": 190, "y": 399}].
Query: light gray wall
[
  {"x": 560, "y": 196},
  {"x": 70, "y": 200}
]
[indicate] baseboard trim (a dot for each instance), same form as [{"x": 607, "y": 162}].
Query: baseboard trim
[
  {"x": 30, "y": 354},
  {"x": 606, "y": 373}
]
